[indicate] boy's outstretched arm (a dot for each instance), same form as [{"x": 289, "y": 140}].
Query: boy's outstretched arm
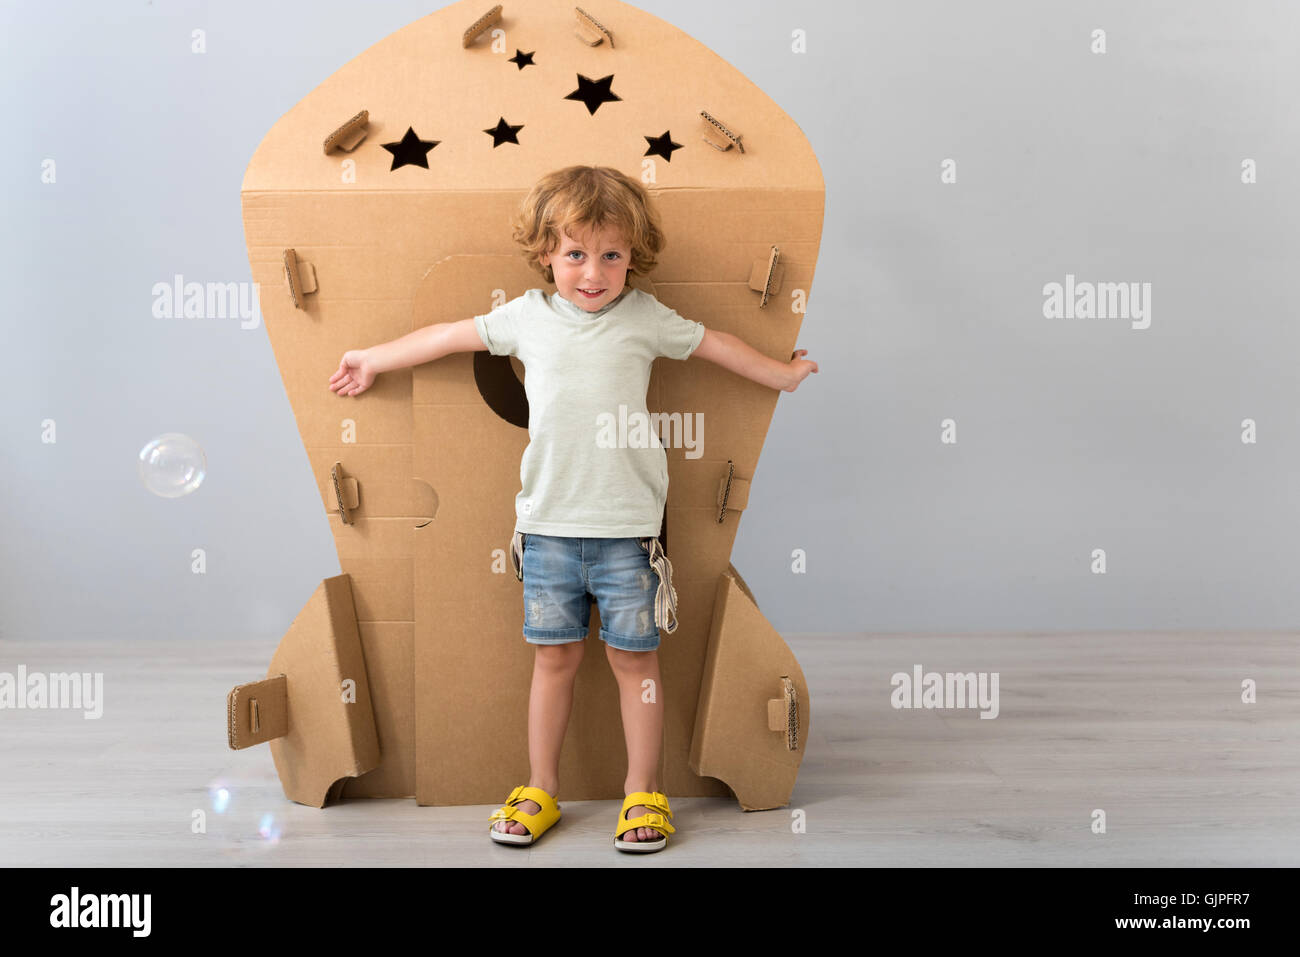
[
  {"x": 741, "y": 358},
  {"x": 358, "y": 368}
]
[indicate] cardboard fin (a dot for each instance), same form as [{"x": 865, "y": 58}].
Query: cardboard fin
[
  {"x": 731, "y": 570},
  {"x": 753, "y": 712},
  {"x": 314, "y": 706}
]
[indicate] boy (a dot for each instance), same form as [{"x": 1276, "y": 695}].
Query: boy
[{"x": 588, "y": 516}]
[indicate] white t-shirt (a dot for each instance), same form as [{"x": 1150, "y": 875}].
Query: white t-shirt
[{"x": 591, "y": 469}]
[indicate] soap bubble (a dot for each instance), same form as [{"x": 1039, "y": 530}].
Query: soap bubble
[
  {"x": 172, "y": 465},
  {"x": 221, "y": 792},
  {"x": 220, "y": 799},
  {"x": 269, "y": 829}
]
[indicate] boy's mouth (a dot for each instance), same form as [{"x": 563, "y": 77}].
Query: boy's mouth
[{"x": 591, "y": 294}]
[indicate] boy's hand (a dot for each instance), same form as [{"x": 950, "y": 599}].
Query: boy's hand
[
  {"x": 354, "y": 375},
  {"x": 799, "y": 369}
]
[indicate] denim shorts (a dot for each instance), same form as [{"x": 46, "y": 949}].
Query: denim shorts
[{"x": 561, "y": 577}]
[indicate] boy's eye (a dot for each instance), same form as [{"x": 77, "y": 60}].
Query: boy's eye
[
  {"x": 615, "y": 255},
  {"x": 574, "y": 252}
]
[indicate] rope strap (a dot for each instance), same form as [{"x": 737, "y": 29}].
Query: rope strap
[
  {"x": 666, "y": 596},
  {"x": 517, "y": 554}
]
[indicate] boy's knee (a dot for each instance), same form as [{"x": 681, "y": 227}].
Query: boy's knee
[
  {"x": 562, "y": 656},
  {"x": 621, "y": 658}
]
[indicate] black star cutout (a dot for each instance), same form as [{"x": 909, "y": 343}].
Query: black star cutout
[
  {"x": 522, "y": 59},
  {"x": 593, "y": 92},
  {"x": 662, "y": 146},
  {"x": 503, "y": 132},
  {"x": 410, "y": 150}
]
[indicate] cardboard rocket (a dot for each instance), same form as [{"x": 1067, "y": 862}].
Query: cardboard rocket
[{"x": 381, "y": 203}]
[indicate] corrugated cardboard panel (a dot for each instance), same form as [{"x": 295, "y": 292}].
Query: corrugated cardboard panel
[
  {"x": 742, "y": 678},
  {"x": 422, "y": 445},
  {"x": 331, "y": 726}
]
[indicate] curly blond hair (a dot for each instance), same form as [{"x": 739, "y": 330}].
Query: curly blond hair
[{"x": 578, "y": 198}]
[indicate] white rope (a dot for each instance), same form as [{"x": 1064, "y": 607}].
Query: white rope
[{"x": 666, "y": 596}]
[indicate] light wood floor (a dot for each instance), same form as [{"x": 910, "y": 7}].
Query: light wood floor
[{"x": 1149, "y": 728}]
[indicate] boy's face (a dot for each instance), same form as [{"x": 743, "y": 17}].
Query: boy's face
[{"x": 592, "y": 263}]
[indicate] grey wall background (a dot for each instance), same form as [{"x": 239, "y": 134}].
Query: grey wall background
[{"x": 1073, "y": 434}]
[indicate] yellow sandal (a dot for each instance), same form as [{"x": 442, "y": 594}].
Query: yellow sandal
[
  {"x": 656, "y": 816},
  {"x": 537, "y": 824}
]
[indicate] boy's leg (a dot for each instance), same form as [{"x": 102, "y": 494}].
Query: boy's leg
[
  {"x": 642, "y": 707},
  {"x": 550, "y": 700}
]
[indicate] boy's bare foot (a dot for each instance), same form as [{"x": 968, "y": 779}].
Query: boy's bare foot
[
  {"x": 514, "y": 827},
  {"x": 639, "y": 833}
]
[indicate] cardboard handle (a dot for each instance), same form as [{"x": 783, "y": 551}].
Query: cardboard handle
[
  {"x": 351, "y": 133},
  {"x": 300, "y": 276},
  {"x": 481, "y": 26},
  {"x": 590, "y": 30},
  {"x": 783, "y": 714},
  {"x": 717, "y": 135},
  {"x": 733, "y": 493},
  {"x": 347, "y": 495},
  {"x": 766, "y": 276},
  {"x": 257, "y": 712}
]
